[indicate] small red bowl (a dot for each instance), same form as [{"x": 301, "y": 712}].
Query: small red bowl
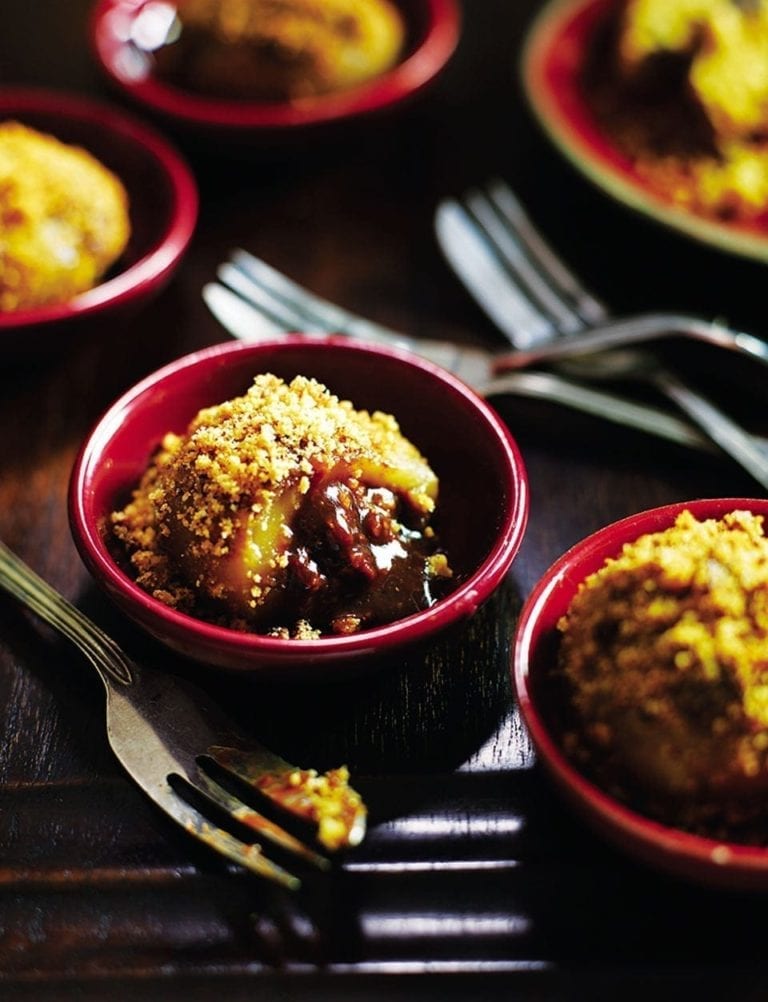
[
  {"x": 534, "y": 653},
  {"x": 163, "y": 205},
  {"x": 433, "y": 28},
  {"x": 482, "y": 511}
]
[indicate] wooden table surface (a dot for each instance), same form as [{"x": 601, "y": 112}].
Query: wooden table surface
[{"x": 475, "y": 881}]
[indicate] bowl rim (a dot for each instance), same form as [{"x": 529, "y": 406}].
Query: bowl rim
[
  {"x": 159, "y": 259},
  {"x": 407, "y": 77},
  {"x": 673, "y": 848},
  {"x": 459, "y": 603}
]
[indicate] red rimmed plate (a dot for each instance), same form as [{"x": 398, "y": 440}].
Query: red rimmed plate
[
  {"x": 432, "y": 26},
  {"x": 163, "y": 206},
  {"x": 705, "y": 860},
  {"x": 481, "y": 528},
  {"x": 552, "y": 59}
]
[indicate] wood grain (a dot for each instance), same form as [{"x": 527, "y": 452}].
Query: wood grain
[{"x": 475, "y": 882}]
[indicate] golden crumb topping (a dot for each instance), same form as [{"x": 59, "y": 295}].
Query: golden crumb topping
[
  {"x": 282, "y": 49},
  {"x": 257, "y": 443},
  {"x": 725, "y": 43},
  {"x": 683, "y": 90},
  {"x": 286, "y": 495},
  {"x": 324, "y": 798},
  {"x": 63, "y": 219},
  {"x": 666, "y": 652}
]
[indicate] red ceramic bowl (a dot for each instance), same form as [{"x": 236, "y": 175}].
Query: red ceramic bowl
[
  {"x": 535, "y": 650},
  {"x": 482, "y": 509},
  {"x": 163, "y": 212},
  {"x": 553, "y": 57},
  {"x": 433, "y": 28}
]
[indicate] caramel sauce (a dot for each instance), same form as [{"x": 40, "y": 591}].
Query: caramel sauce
[{"x": 354, "y": 563}]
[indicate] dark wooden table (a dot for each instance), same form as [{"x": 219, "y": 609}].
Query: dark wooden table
[{"x": 475, "y": 882}]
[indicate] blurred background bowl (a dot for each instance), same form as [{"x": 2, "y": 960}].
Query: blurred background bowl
[
  {"x": 163, "y": 213},
  {"x": 432, "y": 33},
  {"x": 535, "y": 652},
  {"x": 480, "y": 521},
  {"x": 554, "y": 54}
]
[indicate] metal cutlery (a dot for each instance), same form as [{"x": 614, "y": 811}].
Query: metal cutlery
[
  {"x": 494, "y": 248},
  {"x": 189, "y": 758},
  {"x": 561, "y": 313},
  {"x": 252, "y": 300}
]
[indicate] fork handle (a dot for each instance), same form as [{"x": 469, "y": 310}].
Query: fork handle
[
  {"x": 634, "y": 330},
  {"x": 731, "y": 438},
  {"x": 23, "y": 584}
]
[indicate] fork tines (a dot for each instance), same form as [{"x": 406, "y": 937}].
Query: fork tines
[{"x": 233, "y": 781}]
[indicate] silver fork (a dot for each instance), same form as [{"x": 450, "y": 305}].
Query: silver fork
[
  {"x": 253, "y": 300},
  {"x": 536, "y": 301},
  {"x": 560, "y": 312},
  {"x": 181, "y": 749}
]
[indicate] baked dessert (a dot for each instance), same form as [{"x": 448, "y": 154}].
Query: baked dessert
[
  {"x": 724, "y": 44},
  {"x": 664, "y": 651},
  {"x": 65, "y": 219},
  {"x": 286, "y": 511},
  {"x": 683, "y": 90},
  {"x": 276, "y": 50},
  {"x": 326, "y": 799}
]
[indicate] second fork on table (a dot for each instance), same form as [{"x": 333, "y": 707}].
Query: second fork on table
[
  {"x": 552, "y": 314},
  {"x": 491, "y": 243},
  {"x": 253, "y": 300},
  {"x": 536, "y": 301}
]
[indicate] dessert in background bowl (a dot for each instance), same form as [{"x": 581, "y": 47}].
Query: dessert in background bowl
[
  {"x": 682, "y": 89},
  {"x": 70, "y": 262},
  {"x": 346, "y": 515},
  {"x": 279, "y": 50},
  {"x": 639, "y": 664},
  {"x": 273, "y": 66},
  {"x": 65, "y": 219},
  {"x": 287, "y": 511},
  {"x": 664, "y": 105}
]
